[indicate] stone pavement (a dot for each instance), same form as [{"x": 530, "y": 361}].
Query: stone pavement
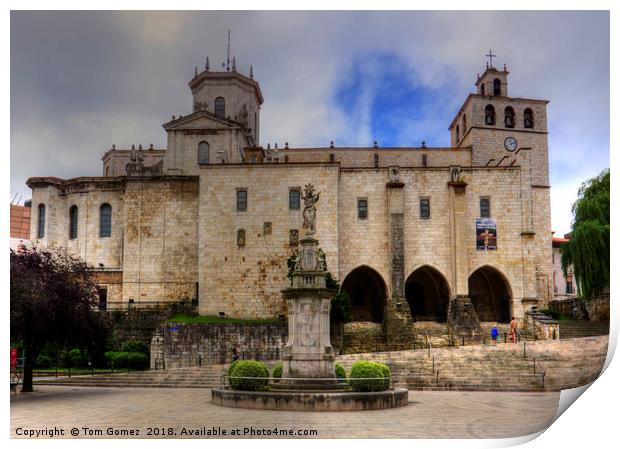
[{"x": 430, "y": 414}]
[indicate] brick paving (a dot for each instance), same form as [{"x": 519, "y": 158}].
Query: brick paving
[{"x": 430, "y": 414}]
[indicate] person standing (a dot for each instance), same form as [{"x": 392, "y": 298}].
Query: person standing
[
  {"x": 513, "y": 330},
  {"x": 235, "y": 353},
  {"x": 495, "y": 334}
]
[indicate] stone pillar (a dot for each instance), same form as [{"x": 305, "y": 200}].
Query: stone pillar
[
  {"x": 397, "y": 317},
  {"x": 462, "y": 318}
]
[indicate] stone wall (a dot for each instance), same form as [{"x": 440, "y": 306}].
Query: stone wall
[
  {"x": 246, "y": 280},
  {"x": 186, "y": 345},
  {"x": 596, "y": 309}
]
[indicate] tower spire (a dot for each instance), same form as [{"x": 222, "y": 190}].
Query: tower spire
[
  {"x": 207, "y": 64},
  {"x": 251, "y": 72},
  {"x": 490, "y": 56},
  {"x": 234, "y": 68},
  {"x": 228, "y": 52}
]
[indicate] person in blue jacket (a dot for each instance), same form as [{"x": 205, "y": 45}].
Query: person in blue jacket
[{"x": 495, "y": 334}]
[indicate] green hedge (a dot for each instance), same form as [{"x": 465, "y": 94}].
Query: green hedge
[
  {"x": 123, "y": 359},
  {"x": 231, "y": 367},
  {"x": 135, "y": 345},
  {"x": 249, "y": 368},
  {"x": 340, "y": 372},
  {"x": 77, "y": 358},
  {"x": 373, "y": 376},
  {"x": 277, "y": 370}
]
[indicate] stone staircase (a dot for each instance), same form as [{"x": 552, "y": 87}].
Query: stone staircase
[
  {"x": 576, "y": 329},
  {"x": 196, "y": 377},
  {"x": 494, "y": 367}
]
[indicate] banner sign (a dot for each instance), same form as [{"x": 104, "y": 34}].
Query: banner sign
[{"x": 486, "y": 234}]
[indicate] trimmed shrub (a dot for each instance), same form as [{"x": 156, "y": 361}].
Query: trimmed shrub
[
  {"x": 340, "y": 372},
  {"x": 249, "y": 368},
  {"x": 385, "y": 370},
  {"x": 277, "y": 370},
  {"x": 137, "y": 360},
  {"x": 117, "y": 359},
  {"x": 77, "y": 358},
  {"x": 371, "y": 375}
]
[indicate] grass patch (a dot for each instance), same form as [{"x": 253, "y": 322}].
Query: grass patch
[{"x": 207, "y": 319}]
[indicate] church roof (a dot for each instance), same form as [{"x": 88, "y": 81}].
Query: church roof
[{"x": 197, "y": 81}]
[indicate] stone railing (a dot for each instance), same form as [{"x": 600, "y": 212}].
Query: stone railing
[{"x": 541, "y": 326}]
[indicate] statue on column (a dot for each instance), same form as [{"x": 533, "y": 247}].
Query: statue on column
[{"x": 309, "y": 214}]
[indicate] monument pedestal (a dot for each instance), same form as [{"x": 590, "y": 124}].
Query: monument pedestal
[{"x": 308, "y": 352}]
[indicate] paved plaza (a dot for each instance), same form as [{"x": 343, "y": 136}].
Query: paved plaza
[{"x": 188, "y": 413}]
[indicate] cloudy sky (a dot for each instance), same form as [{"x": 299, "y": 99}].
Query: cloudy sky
[{"x": 81, "y": 81}]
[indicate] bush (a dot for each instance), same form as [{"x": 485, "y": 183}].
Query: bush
[
  {"x": 137, "y": 360},
  {"x": 117, "y": 359},
  {"x": 44, "y": 361},
  {"x": 373, "y": 376},
  {"x": 340, "y": 372},
  {"x": 77, "y": 358},
  {"x": 277, "y": 370},
  {"x": 231, "y": 367},
  {"x": 135, "y": 346},
  {"x": 249, "y": 368}
]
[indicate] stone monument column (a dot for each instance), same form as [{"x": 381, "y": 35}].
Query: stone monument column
[{"x": 308, "y": 352}]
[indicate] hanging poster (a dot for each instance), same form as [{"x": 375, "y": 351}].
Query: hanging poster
[{"x": 486, "y": 234}]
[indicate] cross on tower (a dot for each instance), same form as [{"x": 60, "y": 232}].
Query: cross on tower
[{"x": 491, "y": 56}]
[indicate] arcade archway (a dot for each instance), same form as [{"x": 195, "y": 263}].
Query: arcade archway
[
  {"x": 367, "y": 292},
  {"x": 428, "y": 295},
  {"x": 490, "y": 295}
]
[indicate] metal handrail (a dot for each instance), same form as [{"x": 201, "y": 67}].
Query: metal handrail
[{"x": 535, "y": 362}]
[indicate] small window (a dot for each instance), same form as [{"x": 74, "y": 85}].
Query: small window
[
  {"x": 293, "y": 237},
  {"x": 332, "y": 157},
  {"x": 103, "y": 298},
  {"x": 294, "y": 198},
  {"x": 424, "y": 160},
  {"x": 528, "y": 118},
  {"x": 220, "y": 107},
  {"x": 362, "y": 208},
  {"x": 242, "y": 199},
  {"x": 203, "y": 152},
  {"x": 425, "y": 208},
  {"x": 509, "y": 117},
  {"x": 489, "y": 115},
  {"x": 105, "y": 220},
  {"x": 485, "y": 207},
  {"x": 569, "y": 287},
  {"x": 376, "y": 157},
  {"x": 73, "y": 222},
  {"x": 267, "y": 228},
  {"x": 107, "y": 171},
  {"x": 497, "y": 87},
  {"x": 464, "y": 124},
  {"x": 41, "y": 222},
  {"x": 253, "y": 159},
  {"x": 240, "y": 237},
  {"x": 457, "y": 134},
  {"x": 482, "y": 89}
]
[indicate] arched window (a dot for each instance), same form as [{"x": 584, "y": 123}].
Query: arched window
[
  {"x": 509, "y": 117},
  {"x": 482, "y": 89},
  {"x": 203, "y": 152},
  {"x": 73, "y": 222},
  {"x": 220, "y": 107},
  {"x": 107, "y": 171},
  {"x": 240, "y": 237},
  {"x": 489, "y": 115},
  {"x": 41, "y": 222},
  {"x": 464, "y": 124},
  {"x": 105, "y": 220},
  {"x": 497, "y": 87},
  {"x": 457, "y": 134},
  {"x": 528, "y": 118}
]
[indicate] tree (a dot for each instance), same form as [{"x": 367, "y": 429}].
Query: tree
[
  {"x": 588, "y": 248},
  {"x": 53, "y": 299}
]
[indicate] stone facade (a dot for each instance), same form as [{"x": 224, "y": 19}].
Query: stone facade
[{"x": 219, "y": 222}]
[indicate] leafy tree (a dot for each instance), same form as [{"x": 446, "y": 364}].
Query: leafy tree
[
  {"x": 588, "y": 249},
  {"x": 53, "y": 299}
]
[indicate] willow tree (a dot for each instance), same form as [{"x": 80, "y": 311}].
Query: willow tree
[{"x": 588, "y": 249}]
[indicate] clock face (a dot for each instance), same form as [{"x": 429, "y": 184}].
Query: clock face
[{"x": 510, "y": 143}]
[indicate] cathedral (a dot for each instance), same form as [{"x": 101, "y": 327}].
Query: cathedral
[{"x": 412, "y": 233}]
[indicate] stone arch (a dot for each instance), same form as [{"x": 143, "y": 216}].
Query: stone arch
[
  {"x": 491, "y": 294},
  {"x": 428, "y": 294},
  {"x": 368, "y": 293}
]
